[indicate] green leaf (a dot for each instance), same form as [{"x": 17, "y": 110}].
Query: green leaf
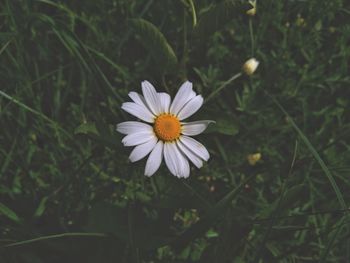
[
  {"x": 210, "y": 218},
  {"x": 106, "y": 134},
  {"x": 211, "y": 233},
  {"x": 293, "y": 195},
  {"x": 215, "y": 18},
  {"x": 9, "y": 213},
  {"x": 86, "y": 128},
  {"x": 100, "y": 132},
  {"x": 41, "y": 208},
  {"x": 190, "y": 4},
  {"x": 107, "y": 218},
  {"x": 35, "y": 112},
  {"x": 8, "y": 157},
  {"x": 327, "y": 172},
  {"x": 127, "y": 225},
  {"x": 226, "y": 126},
  {"x": 142, "y": 197},
  {"x": 155, "y": 42}
]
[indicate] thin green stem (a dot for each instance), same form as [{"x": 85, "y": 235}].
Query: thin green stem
[
  {"x": 194, "y": 15},
  {"x": 251, "y": 32},
  {"x": 224, "y": 85},
  {"x": 25, "y": 242},
  {"x": 4, "y": 46}
]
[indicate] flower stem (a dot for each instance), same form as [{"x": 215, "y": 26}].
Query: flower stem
[
  {"x": 227, "y": 82},
  {"x": 251, "y": 32}
]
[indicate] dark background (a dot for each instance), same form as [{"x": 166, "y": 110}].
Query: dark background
[{"x": 67, "y": 190}]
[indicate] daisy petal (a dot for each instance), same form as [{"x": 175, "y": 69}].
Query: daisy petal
[
  {"x": 195, "y": 127},
  {"x": 184, "y": 94},
  {"x": 191, "y": 107},
  {"x": 137, "y": 98},
  {"x": 129, "y": 127},
  {"x": 184, "y": 166},
  {"x": 176, "y": 161},
  {"x": 155, "y": 159},
  {"x": 195, "y": 147},
  {"x": 170, "y": 158},
  {"x": 151, "y": 97},
  {"x": 164, "y": 101},
  {"x": 190, "y": 155},
  {"x": 138, "y": 111},
  {"x": 142, "y": 150},
  {"x": 137, "y": 138}
]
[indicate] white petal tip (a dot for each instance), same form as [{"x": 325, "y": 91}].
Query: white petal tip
[
  {"x": 132, "y": 160},
  {"x": 145, "y": 82}
]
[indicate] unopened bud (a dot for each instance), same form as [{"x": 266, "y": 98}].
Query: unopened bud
[
  {"x": 250, "y": 66},
  {"x": 252, "y": 11},
  {"x": 253, "y": 158}
]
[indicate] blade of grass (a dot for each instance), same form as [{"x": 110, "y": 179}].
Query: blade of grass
[
  {"x": 144, "y": 11},
  {"x": 193, "y": 11},
  {"x": 95, "y": 69},
  {"x": 131, "y": 234},
  {"x": 35, "y": 112},
  {"x": 51, "y": 237},
  {"x": 325, "y": 170},
  {"x": 102, "y": 56},
  {"x": 197, "y": 195},
  {"x": 48, "y": 74},
  {"x": 314, "y": 153},
  {"x": 76, "y": 47},
  {"x": 333, "y": 212},
  {"x": 209, "y": 218},
  {"x": 276, "y": 210},
  {"x": 8, "y": 157},
  {"x": 9, "y": 213},
  {"x": 4, "y": 46}
]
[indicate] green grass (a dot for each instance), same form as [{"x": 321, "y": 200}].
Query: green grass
[{"x": 67, "y": 190}]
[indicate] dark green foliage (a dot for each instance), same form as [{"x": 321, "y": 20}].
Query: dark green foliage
[
  {"x": 67, "y": 190},
  {"x": 156, "y": 44}
]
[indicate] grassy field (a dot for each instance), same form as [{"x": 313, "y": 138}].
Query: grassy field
[{"x": 276, "y": 188}]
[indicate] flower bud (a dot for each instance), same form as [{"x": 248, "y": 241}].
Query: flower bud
[
  {"x": 250, "y": 66},
  {"x": 252, "y": 11},
  {"x": 253, "y": 158}
]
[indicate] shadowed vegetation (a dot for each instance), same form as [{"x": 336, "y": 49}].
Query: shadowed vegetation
[{"x": 276, "y": 188}]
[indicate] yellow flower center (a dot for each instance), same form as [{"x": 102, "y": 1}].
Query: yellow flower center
[{"x": 167, "y": 127}]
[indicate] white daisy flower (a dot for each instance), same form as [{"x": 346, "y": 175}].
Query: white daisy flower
[{"x": 165, "y": 134}]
